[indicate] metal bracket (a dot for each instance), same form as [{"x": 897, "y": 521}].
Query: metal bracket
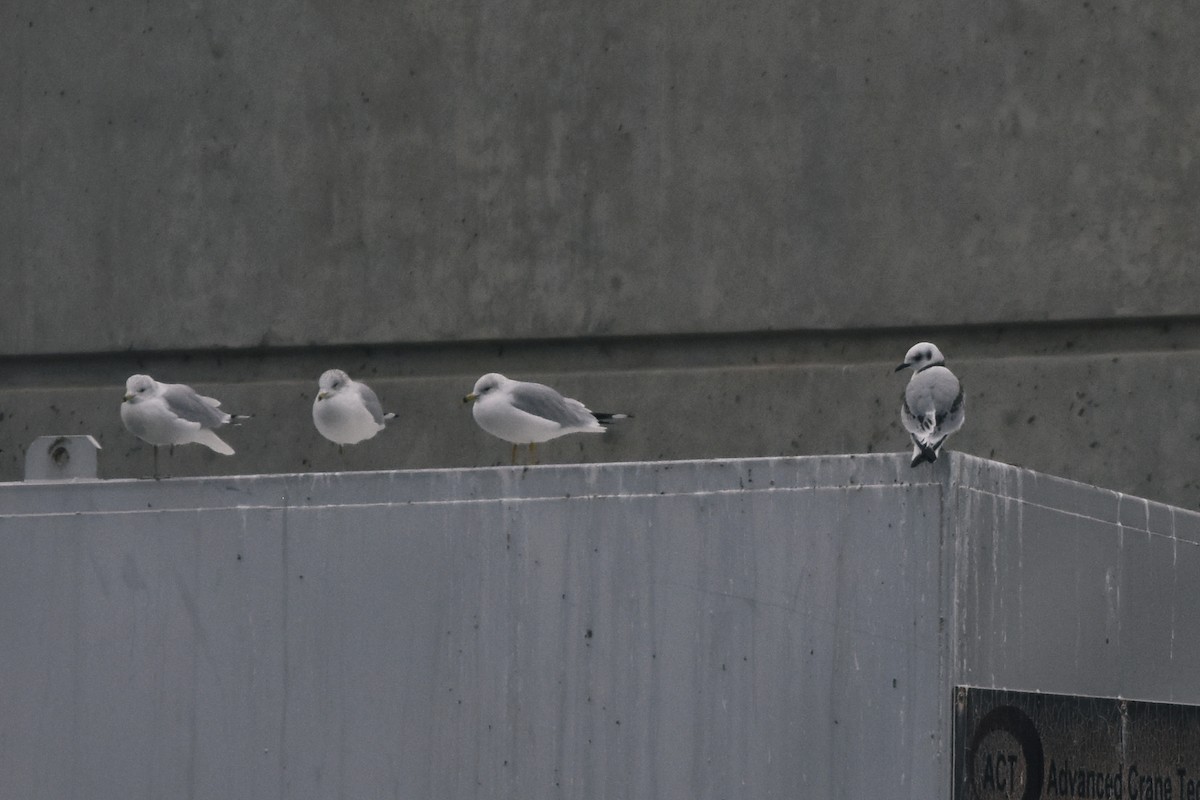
[{"x": 61, "y": 458}]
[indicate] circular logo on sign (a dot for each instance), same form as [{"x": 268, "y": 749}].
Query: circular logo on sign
[{"x": 1005, "y": 758}]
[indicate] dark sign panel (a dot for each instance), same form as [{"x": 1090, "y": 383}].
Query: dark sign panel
[{"x": 1026, "y": 746}]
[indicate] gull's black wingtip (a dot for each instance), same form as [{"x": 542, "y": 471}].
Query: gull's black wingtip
[{"x": 607, "y": 419}]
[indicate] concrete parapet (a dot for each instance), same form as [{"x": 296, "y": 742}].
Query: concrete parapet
[{"x": 759, "y": 628}]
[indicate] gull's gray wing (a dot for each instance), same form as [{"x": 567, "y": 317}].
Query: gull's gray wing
[
  {"x": 953, "y": 419},
  {"x": 544, "y": 402},
  {"x": 371, "y": 401},
  {"x": 185, "y": 403},
  {"x": 910, "y": 421}
]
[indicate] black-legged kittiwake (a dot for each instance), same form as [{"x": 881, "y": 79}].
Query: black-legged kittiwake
[
  {"x": 347, "y": 411},
  {"x": 933, "y": 406},
  {"x": 529, "y": 413}
]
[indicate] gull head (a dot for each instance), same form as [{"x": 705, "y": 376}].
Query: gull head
[
  {"x": 485, "y": 386},
  {"x": 332, "y": 381},
  {"x": 139, "y": 388},
  {"x": 922, "y": 355}
]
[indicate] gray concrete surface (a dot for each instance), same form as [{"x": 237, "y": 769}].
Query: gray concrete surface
[
  {"x": 755, "y": 628},
  {"x": 654, "y": 630},
  {"x": 585, "y": 171},
  {"x": 1064, "y": 588}
]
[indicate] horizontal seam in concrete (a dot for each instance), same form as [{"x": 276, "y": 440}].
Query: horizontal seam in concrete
[
  {"x": 1113, "y": 522},
  {"x": 679, "y": 337},
  {"x": 639, "y": 352},
  {"x": 1035, "y": 690},
  {"x": 672, "y": 465},
  {"x": 473, "y": 500},
  {"x": 210, "y": 382}
]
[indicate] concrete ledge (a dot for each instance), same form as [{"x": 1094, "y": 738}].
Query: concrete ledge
[{"x": 463, "y": 485}]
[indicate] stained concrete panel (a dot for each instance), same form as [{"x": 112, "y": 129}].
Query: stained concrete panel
[
  {"x": 1075, "y": 595},
  {"x": 745, "y": 628},
  {"x": 583, "y": 632}
]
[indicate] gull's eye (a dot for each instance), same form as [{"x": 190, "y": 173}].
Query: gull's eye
[{"x": 927, "y": 354}]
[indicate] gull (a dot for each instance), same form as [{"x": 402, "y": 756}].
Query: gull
[
  {"x": 171, "y": 414},
  {"x": 933, "y": 405},
  {"x": 346, "y": 411},
  {"x": 528, "y": 413}
]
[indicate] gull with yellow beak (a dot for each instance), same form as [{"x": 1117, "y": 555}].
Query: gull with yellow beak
[
  {"x": 171, "y": 414},
  {"x": 529, "y": 413},
  {"x": 347, "y": 411}
]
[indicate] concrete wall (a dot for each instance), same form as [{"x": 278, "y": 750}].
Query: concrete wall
[
  {"x": 1065, "y": 589},
  {"x": 659, "y": 631},
  {"x": 575, "y": 170},
  {"x": 740, "y": 629},
  {"x": 745, "y": 212}
]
